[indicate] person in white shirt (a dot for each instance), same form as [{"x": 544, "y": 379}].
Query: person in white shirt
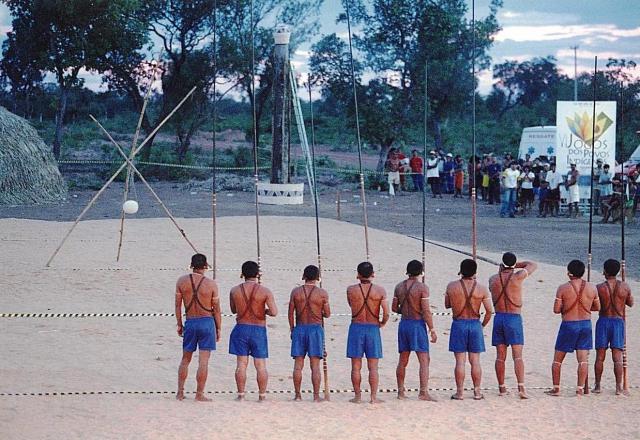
[
  {"x": 433, "y": 174},
  {"x": 574, "y": 191},
  {"x": 526, "y": 189},
  {"x": 509, "y": 188},
  {"x": 554, "y": 179}
]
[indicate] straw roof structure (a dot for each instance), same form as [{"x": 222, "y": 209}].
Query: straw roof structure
[{"x": 28, "y": 172}]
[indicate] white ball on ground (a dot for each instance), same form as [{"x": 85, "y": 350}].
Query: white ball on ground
[{"x": 130, "y": 207}]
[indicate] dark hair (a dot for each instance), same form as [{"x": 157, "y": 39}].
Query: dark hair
[
  {"x": 311, "y": 273},
  {"x": 606, "y": 165},
  {"x": 611, "y": 267},
  {"x": 365, "y": 269},
  {"x": 199, "y": 261},
  {"x": 414, "y": 268},
  {"x": 576, "y": 268},
  {"x": 250, "y": 269},
  {"x": 468, "y": 268},
  {"x": 509, "y": 259}
]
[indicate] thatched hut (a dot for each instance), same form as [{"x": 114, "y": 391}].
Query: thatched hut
[{"x": 28, "y": 172}]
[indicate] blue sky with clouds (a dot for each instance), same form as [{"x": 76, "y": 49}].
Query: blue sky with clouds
[{"x": 607, "y": 28}]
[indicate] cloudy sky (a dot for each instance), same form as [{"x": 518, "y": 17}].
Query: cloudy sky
[
  {"x": 536, "y": 28},
  {"x": 530, "y": 28}
]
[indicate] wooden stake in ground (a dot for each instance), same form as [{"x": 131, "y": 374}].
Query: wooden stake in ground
[{"x": 113, "y": 177}]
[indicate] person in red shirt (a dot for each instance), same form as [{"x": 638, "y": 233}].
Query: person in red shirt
[{"x": 416, "y": 164}]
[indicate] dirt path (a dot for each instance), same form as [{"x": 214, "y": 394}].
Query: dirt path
[{"x": 552, "y": 240}]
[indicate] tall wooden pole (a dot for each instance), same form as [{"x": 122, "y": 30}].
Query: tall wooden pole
[
  {"x": 325, "y": 367},
  {"x": 255, "y": 136},
  {"x": 623, "y": 264},
  {"x": 355, "y": 102},
  {"x": 474, "y": 202},
  {"x": 593, "y": 155},
  {"x": 214, "y": 195},
  {"x": 424, "y": 169}
]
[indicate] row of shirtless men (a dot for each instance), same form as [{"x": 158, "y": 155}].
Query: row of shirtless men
[{"x": 309, "y": 306}]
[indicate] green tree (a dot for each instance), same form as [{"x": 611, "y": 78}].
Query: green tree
[
  {"x": 66, "y": 36},
  {"x": 529, "y": 83},
  {"x": 21, "y": 70},
  {"x": 235, "y": 44},
  {"x": 396, "y": 38},
  {"x": 180, "y": 30}
]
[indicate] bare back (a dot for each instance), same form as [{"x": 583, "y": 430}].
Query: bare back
[
  {"x": 614, "y": 296},
  {"x": 249, "y": 301},
  {"x": 408, "y": 298},
  {"x": 577, "y": 299},
  {"x": 365, "y": 300},
  {"x": 207, "y": 300},
  {"x": 310, "y": 304},
  {"x": 506, "y": 290},
  {"x": 465, "y": 296}
]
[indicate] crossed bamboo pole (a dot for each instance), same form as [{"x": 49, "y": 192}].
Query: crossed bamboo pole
[
  {"x": 131, "y": 157},
  {"x": 113, "y": 177}
]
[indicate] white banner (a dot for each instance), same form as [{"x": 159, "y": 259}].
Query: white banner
[{"x": 574, "y": 134}]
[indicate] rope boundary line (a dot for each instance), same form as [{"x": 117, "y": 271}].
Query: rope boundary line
[
  {"x": 47, "y": 315},
  {"x": 274, "y": 392}
]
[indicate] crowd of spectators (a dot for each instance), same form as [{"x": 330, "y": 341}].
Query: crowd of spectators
[{"x": 523, "y": 186}]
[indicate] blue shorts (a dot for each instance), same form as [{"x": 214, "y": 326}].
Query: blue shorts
[
  {"x": 412, "y": 336},
  {"x": 199, "y": 333},
  {"x": 610, "y": 333},
  {"x": 507, "y": 329},
  {"x": 364, "y": 340},
  {"x": 249, "y": 340},
  {"x": 307, "y": 339},
  {"x": 466, "y": 336},
  {"x": 574, "y": 335}
]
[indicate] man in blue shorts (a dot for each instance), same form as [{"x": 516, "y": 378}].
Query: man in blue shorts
[
  {"x": 575, "y": 300},
  {"x": 615, "y": 296},
  {"x": 308, "y": 306},
  {"x": 199, "y": 295},
  {"x": 251, "y": 302},
  {"x": 464, "y": 297},
  {"x": 366, "y": 301},
  {"x": 411, "y": 300},
  {"x": 506, "y": 293}
]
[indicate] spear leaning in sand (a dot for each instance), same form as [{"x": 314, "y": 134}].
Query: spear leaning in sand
[{"x": 325, "y": 368}]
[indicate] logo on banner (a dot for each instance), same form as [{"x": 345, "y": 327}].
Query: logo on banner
[{"x": 576, "y": 134}]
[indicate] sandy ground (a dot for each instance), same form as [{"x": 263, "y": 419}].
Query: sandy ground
[{"x": 140, "y": 354}]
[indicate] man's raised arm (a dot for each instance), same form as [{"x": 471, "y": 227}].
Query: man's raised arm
[{"x": 529, "y": 266}]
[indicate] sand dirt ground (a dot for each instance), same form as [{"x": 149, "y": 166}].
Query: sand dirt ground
[{"x": 47, "y": 355}]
